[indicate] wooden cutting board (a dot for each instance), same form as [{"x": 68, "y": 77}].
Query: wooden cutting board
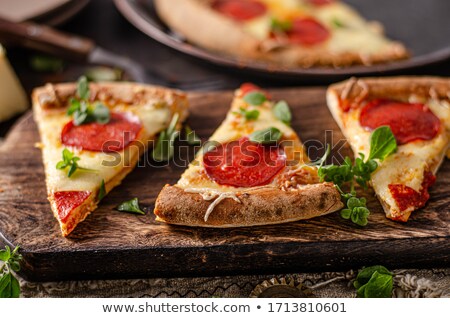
[{"x": 110, "y": 244}]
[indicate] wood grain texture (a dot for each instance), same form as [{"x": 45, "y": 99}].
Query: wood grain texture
[{"x": 110, "y": 244}]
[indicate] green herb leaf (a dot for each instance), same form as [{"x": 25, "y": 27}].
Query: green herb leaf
[
  {"x": 5, "y": 286},
  {"x": 249, "y": 114},
  {"x": 71, "y": 162},
  {"x": 5, "y": 254},
  {"x": 337, "y": 23},
  {"x": 9, "y": 286},
  {"x": 365, "y": 274},
  {"x": 356, "y": 211},
  {"x": 382, "y": 143},
  {"x": 131, "y": 206},
  {"x": 282, "y": 112},
  {"x": 363, "y": 170},
  {"x": 101, "y": 114},
  {"x": 101, "y": 191},
  {"x": 82, "y": 111},
  {"x": 270, "y": 135},
  {"x": 337, "y": 174},
  {"x": 255, "y": 98},
  {"x": 379, "y": 286},
  {"x": 165, "y": 145},
  {"x": 103, "y": 74},
  {"x": 280, "y": 26},
  {"x": 45, "y": 63},
  {"x": 192, "y": 138},
  {"x": 83, "y": 88}
]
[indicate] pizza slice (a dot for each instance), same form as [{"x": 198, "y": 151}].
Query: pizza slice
[
  {"x": 252, "y": 171},
  {"x": 417, "y": 109},
  {"x": 92, "y": 136},
  {"x": 292, "y": 33}
]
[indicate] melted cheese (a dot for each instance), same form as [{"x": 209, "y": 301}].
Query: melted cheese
[
  {"x": 356, "y": 36},
  {"x": 407, "y": 166},
  {"x": 234, "y": 127},
  {"x": 153, "y": 118}
]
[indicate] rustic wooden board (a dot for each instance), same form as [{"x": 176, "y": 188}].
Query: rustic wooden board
[{"x": 110, "y": 244}]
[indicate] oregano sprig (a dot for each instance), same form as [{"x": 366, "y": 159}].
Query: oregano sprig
[
  {"x": 69, "y": 160},
  {"x": 382, "y": 145},
  {"x": 9, "y": 285},
  {"x": 83, "y": 111}
]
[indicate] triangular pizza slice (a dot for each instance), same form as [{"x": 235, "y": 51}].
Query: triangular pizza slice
[
  {"x": 92, "y": 136},
  {"x": 252, "y": 171},
  {"x": 417, "y": 110}
]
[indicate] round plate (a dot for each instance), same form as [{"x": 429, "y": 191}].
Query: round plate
[{"x": 405, "y": 20}]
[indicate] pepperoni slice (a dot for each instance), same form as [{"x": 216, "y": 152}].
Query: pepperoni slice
[
  {"x": 321, "y": 2},
  {"x": 408, "y": 122},
  {"x": 243, "y": 163},
  {"x": 307, "y": 31},
  {"x": 67, "y": 201},
  {"x": 407, "y": 197},
  {"x": 250, "y": 87},
  {"x": 241, "y": 10},
  {"x": 116, "y": 135}
]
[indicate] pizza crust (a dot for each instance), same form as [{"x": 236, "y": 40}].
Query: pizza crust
[
  {"x": 258, "y": 207},
  {"x": 201, "y": 25}
]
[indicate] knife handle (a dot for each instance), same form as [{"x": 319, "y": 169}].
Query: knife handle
[{"x": 45, "y": 39}]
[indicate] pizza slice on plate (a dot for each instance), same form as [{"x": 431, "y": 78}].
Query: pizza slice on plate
[
  {"x": 92, "y": 137},
  {"x": 253, "y": 171},
  {"x": 293, "y": 33},
  {"x": 417, "y": 109}
]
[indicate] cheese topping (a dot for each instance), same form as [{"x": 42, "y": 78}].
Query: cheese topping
[
  {"x": 350, "y": 32},
  {"x": 106, "y": 165},
  {"x": 407, "y": 166},
  {"x": 234, "y": 127}
]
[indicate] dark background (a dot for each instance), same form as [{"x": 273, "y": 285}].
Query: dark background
[{"x": 102, "y": 22}]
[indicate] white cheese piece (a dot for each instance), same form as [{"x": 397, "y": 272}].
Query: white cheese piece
[{"x": 13, "y": 99}]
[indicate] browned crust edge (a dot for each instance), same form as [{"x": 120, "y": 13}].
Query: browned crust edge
[
  {"x": 206, "y": 28},
  {"x": 261, "y": 207},
  {"x": 394, "y": 87}
]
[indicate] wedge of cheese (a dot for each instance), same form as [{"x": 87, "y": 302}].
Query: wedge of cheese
[{"x": 13, "y": 99}]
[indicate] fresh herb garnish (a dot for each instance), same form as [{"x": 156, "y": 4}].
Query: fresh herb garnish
[
  {"x": 101, "y": 191},
  {"x": 356, "y": 211},
  {"x": 9, "y": 285},
  {"x": 83, "y": 111},
  {"x": 45, "y": 63},
  {"x": 382, "y": 145},
  {"x": 282, "y": 112},
  {"x": 164, "y": 148},
  {"x": 131, "y": 206},
  {"x": 248, "y": 114},
  {"x": 280, "y": 26},
  {"x": 337, "y": 23},
  {"x": 192, "y": 138},
  {"x": 267, "y": 136},
  {"x": 70, "y": 161},
  {"x": 374, "y": 282},
  {"x": 255, "y": 98},
  {"x": 103, "y": 73}
]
